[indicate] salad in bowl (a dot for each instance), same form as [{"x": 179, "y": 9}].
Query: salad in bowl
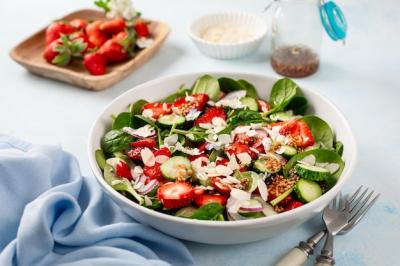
[{"x": 217, "y": 151}]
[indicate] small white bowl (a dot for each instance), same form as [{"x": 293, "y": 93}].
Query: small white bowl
[
  {"x": 253, "y": 23},
  {"x": 221, "y": 232}
]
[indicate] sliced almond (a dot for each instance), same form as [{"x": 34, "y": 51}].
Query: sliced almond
[
  {"x": 262, "y": 188},
  {"x": 161, "y": 158},
  {"x": 244, "y": 158},
  {"x": 148, "y": 157},
  {"x": 223, "y": 170}
]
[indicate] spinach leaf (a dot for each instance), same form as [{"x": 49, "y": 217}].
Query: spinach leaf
[
  {"x": 321, "y": 156},
  {"x": 136, "y": 107},
  {"x": 122, "y": 120},
  {"x": 195, "y": 134},
  {"x": 228, "y": 85},
  {"x": 244, "y": 117},
  {"x": 115, "y": 140},
  {"x": 286, "y": 95},
  {"x": 210, "y": 211},
  {"x": 321, "y": 131},
  {"x": 182, "y": 91},
  {"x": 339, "y": 147},
  {"x": 209, "y": 85},
  {"x": 100, "y": 158},
  {"x": 140, "y": 121}
]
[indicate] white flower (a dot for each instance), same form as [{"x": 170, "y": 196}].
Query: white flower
[
  {"x": 143, "y": 42},
  {"x": 121, "y": 9}
]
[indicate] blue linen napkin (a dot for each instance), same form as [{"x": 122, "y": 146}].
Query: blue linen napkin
[{"x": 51, "y": 215}]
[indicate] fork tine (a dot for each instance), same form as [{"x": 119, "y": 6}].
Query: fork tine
[
  {"x": 334, "y": 202},
  {"x": 361, "y": 213},
  {"x": 355, "y": 194},
  {"x": 363, "y": 202},
  {"x": 357, "y": 200},
  {"x": 341, "y": 201}
]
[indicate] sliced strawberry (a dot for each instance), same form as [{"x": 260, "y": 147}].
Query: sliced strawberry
[
  {"x": 299, "y": 132},
  {"x": 293, "y": 205},
  {"x": 236, "y": 148},
  {"x": 175, "y": 195},
  {"x": 141, "y": 28},
  {"x": 217, "y": 183},
  {"x": 113, "y": 26},
  {"x": 153, "y": 172},
  {"x": 222, "y": 161},
  {"x": 163, "y": 151},
  {"x": 134, "y": 153},
  {"x": 209, "y": 198},
  {"x": 209, "y": 114},
  {"x": 122, "y": 169},
  {"x": 198, "y": 191},
  {"x": 194, "y": 157},
  {"x": 148, "y": 142},
  {"x": 243, "y": 138},
  {"x": 158, "y": 109},
  {"x": 184, "y": 104},
  {"x": 263, "y": 106},
  {"x": 95, "y": 63},
  {"x": 78, "y": 23}
]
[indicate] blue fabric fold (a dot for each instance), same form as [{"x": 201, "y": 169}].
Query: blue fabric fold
[{"x": 51, "y": 215}]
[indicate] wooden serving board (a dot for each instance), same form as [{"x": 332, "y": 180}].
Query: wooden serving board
[{"x": 29, "y": 54}]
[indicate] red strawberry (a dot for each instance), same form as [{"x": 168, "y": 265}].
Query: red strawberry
[
  {"x": 163, "y": 151},
  {"x": 134, "y": 153},
  {"x": 148, "y": 142},
  {"x": 194, "y": 157},
  {"x": 217, "y": 183},
  {"x": 293, "y": 205},
  {"x": 58, "y": 52},
  {"x": 222, "y": 161},
  {"x": 236, "y": 148},
  {"x": 299, "y": 132},
  {"x": 158, "y": 109},
  {"x": 153, "y": 172},
  {"x": 209, "y": 114},
  {"x": 263, "y": 106},
  {"x": 113, "y": 52},
  {"x": 122, "y": 169},
  {"x": 175, "y": 195},
  {"x": 83, "y": 38},
  {"x": 95, "y": 35},
  {"x": 113, "y": 26},
  {"x": 141, "y": 28},
  {"x": 95, "y": 63},
  {"x": 198, "y": 191},
  {"x": 242, "y": 138},
  {"x": 209, "y": 198},
  {"x": 78, "y": 23},
  {"x": 184, "y": 104},
  {"x": 56, "y": 29}
]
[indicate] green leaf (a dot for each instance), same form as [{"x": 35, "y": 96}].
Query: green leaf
[
  {"x": 210, "y": 211},
  {"x": 103, "y": 4},
  {"x": 122, "y": 120},
  {"x": 182, "y": 91},
  {"x": 282, "y": 93},
  {"x": 298, "y": 105},
  {"x": 195, "y": 134},
  {"x": 321, "y": 131},
  {"x": 229, "y": 85},
  {"x": 136, "y": 107},
  {"x": 62, "y": 59},
  {"x": 100, "y": 158},
  {"x": 244, "y": 117},
  {"x": 115, "y": 140},
  {"x": 339, "y": 147},
  {"x": 140, "y": 121},
  {"x": 321, "y": 156},
  {"x": 208, "y": 85}
]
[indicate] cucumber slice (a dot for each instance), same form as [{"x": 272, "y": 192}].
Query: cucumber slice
[
  {"x": 251, "y": 103},
  {"x": 100, "y": 159},
  {"x": 312, "y": 172},
  {"x": 307, "y": 190},
  {"x": 170, "y": 120},
  {"x": 251, "y": 214},
  {"x": 269, "y": 164},
  {"x": 247, "y": 179},
  {"x": 281, "y": 197},
  {"x": 289, "y": 151},
  {"x": 186, "y": 212},
  {"x": 282, "y": 116},
  {"x": 177, "y": 168}
]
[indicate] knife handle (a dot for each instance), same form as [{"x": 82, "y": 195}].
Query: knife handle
[{"x": 295, "y": 257}]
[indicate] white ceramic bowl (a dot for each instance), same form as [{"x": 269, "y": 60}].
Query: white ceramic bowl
[
  {"x": 252, "y": 23},
  {"x": 221, "y": 232}
]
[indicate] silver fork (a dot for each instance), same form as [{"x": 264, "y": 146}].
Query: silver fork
[
  {"x": 299, "y": 255},
  {"x": 343, "y": 213}
]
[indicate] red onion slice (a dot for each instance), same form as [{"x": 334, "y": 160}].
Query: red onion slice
[{"x": 148, "y": 187}]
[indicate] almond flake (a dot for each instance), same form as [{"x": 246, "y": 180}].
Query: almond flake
[
  {"x": 147, "y": 201},
  {"x": 244, "y": 158},
  {"x": 223, "y": 170},
  {"x": 113, "y": 161},
  {"x": 233, "y": 164},
  {"x": 148, "y": 157},
  {"x": 225, "y": 139},
  {"x": 218, "y": 121},
  {"x": 262, "y": 188},
  {"x": 251, "y": 133},
  {"x": 148, "y": 113},
  {"x": 189, "y": 151},
  {"x": 171, "y": 140},
  {"x": 205, "y": 125},
  {"x": 161, "y": 158}
]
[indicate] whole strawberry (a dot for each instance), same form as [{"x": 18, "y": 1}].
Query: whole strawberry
[
  {"x": 60, "y": 51},
  {"x": 56, "y": 29},
  {"x": 95, "y": 63}
]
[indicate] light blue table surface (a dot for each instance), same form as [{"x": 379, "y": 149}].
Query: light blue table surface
[{"x": 362, "y": 78}]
